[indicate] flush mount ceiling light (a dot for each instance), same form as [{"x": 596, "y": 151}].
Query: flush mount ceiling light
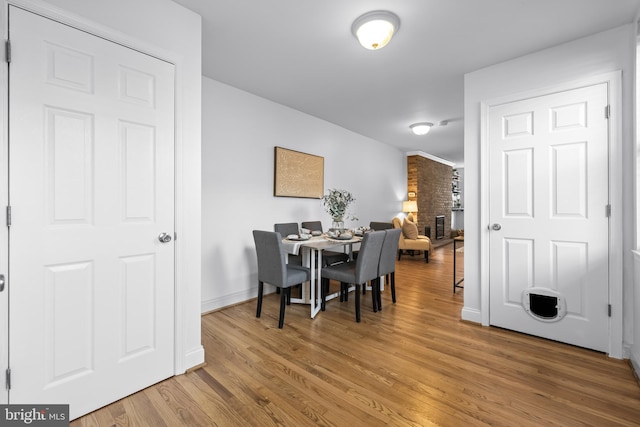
[
  {"x": 421, "y": 128},
  {"x": 375, "y": 29}
]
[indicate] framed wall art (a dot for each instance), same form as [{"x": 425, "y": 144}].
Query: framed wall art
[{"x": 298, "y": 174}]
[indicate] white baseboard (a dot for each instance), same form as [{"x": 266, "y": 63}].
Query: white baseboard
[
  {"x": 634, "y": 358},
  {"x": 231, "y": 299},
  {"x": 471, "y": 315},
  {"x": 194, "y": 358}
]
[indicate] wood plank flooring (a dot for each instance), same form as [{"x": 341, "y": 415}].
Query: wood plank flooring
[{"x": 413, "y": 364}]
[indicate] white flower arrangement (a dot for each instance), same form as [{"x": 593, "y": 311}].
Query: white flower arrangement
[{"x": 336, "y": 202}]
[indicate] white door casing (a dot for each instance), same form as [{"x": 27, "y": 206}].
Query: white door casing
[
  {"x": 91, "y": 188},
  {"x": 548, "y": 184}
]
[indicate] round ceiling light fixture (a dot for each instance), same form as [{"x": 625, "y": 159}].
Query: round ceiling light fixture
[
  {"x": 422, "y": 128},
  {"x": 374, "y": 30}
]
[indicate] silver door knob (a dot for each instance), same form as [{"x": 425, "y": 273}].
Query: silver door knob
[
  {"x": 164, "y": 238},
  {"x": 496, "y": 226}
]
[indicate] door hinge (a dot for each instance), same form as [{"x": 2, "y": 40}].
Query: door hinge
[
  {"x": 7, "y": 48},
  {"x": 8, "y": 379},
  {"x": 607, "y": 111},
  {"x": 608, "y": 211},
  {"x": 8, "y": 216}
]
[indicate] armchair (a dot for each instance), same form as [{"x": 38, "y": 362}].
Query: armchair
[{"x": 410, "y": 240}]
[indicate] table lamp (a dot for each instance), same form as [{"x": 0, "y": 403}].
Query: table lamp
[{"x": 410, "y": 206}]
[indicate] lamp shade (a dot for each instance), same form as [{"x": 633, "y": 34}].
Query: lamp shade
[
  {"x": 421, "y": 128},
  {"x": 409, "y": 206},
  {"x": 374, "y": 30}
]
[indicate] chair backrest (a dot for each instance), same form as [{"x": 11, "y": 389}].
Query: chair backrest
[
  {"x": 388, "y": 253},
  {"x": 377, "y": 226},
  {"x": 286, "y": 228},
  {"x": 271, "y": 257},
  {"x": 312, "y": 225},
  {"x": 369, "y": 256},
  {"x": 397, "y": 223}
]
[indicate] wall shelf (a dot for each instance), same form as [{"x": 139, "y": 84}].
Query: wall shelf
[{"x": 456, "y": 202}]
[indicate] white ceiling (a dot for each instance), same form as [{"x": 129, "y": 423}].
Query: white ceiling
[{"x": 301, "y": 53}]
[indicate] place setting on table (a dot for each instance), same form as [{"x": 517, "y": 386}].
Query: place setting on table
[
  {"x": 293, "y": 242},
  {"x": 322, "y": 240}
]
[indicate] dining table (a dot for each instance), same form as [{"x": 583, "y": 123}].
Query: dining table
[{"x": 311, "y": 250}]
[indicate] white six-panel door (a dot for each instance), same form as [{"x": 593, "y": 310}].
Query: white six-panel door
[
  {"x": 548, "y": 159},
  {"x": 91, "y": 287}
]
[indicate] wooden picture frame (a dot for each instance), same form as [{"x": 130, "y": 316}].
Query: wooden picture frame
[{"x": 298, "y": 174}]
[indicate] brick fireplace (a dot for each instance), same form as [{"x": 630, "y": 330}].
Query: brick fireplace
[{"x": 430, "y": 180}]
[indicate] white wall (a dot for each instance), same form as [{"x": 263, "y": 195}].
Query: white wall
[
  {"x": 240, "y": 131},
  {"x": 595, "y": 55},
  {"x": 171, "y": 32}
]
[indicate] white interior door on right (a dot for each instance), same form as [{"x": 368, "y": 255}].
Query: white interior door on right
[{"x": 549, "y": 223}]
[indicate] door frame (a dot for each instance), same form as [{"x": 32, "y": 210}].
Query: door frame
[
  {"x": 184, "y": 357},
  {"x": 613, "y": 81}
]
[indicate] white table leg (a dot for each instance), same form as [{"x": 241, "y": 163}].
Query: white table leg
[
  {"x": 316, "y": 282},
  {"x": 304, "y": 298}
]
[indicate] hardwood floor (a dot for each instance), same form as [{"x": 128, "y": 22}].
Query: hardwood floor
[{"x": 413, "y": 364}]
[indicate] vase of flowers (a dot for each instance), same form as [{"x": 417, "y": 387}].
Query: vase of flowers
[{"x": 336, "y": 202}]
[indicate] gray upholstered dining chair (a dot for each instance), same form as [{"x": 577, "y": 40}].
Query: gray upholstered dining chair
[
  {"x": 356, "y": 272},
  {"x": 312, "y": 225},
  {"x": 375, "y": 226},
  {"x": 328, "y": 257},
  {"x": 273, "y": 269},
  {"x": 387, "y": 264},
  {"x": 286, "y": 228}
]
